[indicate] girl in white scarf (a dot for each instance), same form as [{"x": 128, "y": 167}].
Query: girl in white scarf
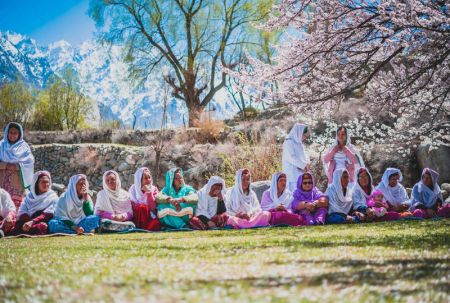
[
  {"x": 342, "y": 154},
  {"x": 38, "y": 207},
  {"x": 74, "y": 211},
  {"x": 340, "y": 199},
  {"x": 113, "y": 204},
  {"x": 394, "y": 192},
  {"x": 278, "y": 201},
  {"x": 143, "y": 201},
  {"x": 14, "y": 150},
  {"x": 243, "y": 205},
  {"x": 426, "y": 198},
  {"x": 211, "y": 208},
  {"x": 295, "y": 160}
]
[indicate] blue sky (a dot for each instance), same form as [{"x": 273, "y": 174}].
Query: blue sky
[{"x": 48, "y": 21}]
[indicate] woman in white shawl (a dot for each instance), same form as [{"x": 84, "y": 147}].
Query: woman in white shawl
[
  {"x": 278, "y": 200},
  {"x": 340, "y": 200},
  {"x": 295, "y": 160},
  {"x": 211, "y": 209},
  {"x": 342, "y": 155},
  {"x": 143, "y": 201},
  {"x": 7, "y": 213},
  {"x": 74, "y": 213},
  {"x": 113, "y": 204},
  {"x": 426, "y": 198},
  {"x": 16, "y": 162},
  {"x": 394, "y": 192},
  {"x": 243, "y": 206},
  {"x": 38, "y": 207}
]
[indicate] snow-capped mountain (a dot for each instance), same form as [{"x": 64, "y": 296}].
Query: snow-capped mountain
[{"x": 102, "y": 76}]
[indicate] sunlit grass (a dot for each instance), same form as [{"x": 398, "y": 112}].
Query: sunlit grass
[{"x": 399, "y": 261}]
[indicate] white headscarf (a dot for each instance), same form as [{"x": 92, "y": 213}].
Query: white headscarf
[
  {"x": 136, "y": 194},
  {"x": 338, "y": 203},
  {"x": 34, "y": 202},
  {"x": 18, "y": 152},
  {"x": 350, "y": 146},
  {"x": 285, "y": 199},
  {"x": 396, "y": 195},
  {"x": 294, "y": 156},
  {"x": 207, "y": 205},
  {"x": 69, "y": 206},
  {"x": 115, "y": 201},
  {"x": 6, "y": 204},
  {"x": 423, "y": 194},
  {"x": 238, "y": 201},
  {"x": 360, "y": 197}
]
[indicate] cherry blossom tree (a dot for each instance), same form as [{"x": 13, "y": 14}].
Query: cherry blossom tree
[{"x": 395, "y": 54}]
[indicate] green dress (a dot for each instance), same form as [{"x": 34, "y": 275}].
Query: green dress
[{"x": 169, "y": 217}]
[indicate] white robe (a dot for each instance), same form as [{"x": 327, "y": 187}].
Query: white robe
[
  {"x": 113, "y": 201},
  {"x": 396, "y": 195},
  {"x": 338, "y": 202},
  {"x": 34, "y": 203},
  {"x": 6, "y": 204},
  {"x": 294, "y": 158},
  {"x": 18, "y": 153},
  {"x": 238, "y": 202},
  {"x": 207, "y": 205}
]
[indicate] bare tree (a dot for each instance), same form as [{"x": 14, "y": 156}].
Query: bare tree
[{"x": 193, "y": 38}]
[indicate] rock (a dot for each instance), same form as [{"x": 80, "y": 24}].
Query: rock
[
  {"x": 446, "y": 187},
  {"x": 123, "y": 166},
  {"x": 445, "y": 194},
  {"x": 130, "y": 159},
  {"x": 260, "y": 187},
  {"x": 59, "y": 188},
  {"x": 447, "y": 201},
  {"x": 437, "y": 159}
]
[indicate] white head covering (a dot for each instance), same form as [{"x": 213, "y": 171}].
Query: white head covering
[
  {"x": 396, "y": 195},
  {"x": 350, "y": 146},
  {"x": 360, "y": 197},
  {"x": 6, "y": 204},
  {"x": 338, "y": 203},
  {"x": 136, "y": 194},
  {"x": 115, "y": 201},
  {"x": 34, "y": 202},
  {"x": 294, "y": 157},
  {"x": 69, "y": 206},
  {"x": 207, "y": 205},
  {"x": 238, "y": 201},
  {"x": 18, "y": 152},
  {"x": 286, "y": 197},
  {"x": 423, "y": 194}
]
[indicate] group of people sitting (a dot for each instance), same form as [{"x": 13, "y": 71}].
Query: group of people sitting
[{"x": 292, "y": 199}]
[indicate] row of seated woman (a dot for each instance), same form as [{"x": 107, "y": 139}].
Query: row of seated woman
[{"x": 180, "y": 206}]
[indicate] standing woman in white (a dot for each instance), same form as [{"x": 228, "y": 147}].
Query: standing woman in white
[{"x": 295, "y": 159}]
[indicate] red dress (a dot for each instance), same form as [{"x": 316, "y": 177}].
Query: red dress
[{"x": 144, "y": 214}]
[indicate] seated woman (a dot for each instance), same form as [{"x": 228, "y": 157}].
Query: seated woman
[
  {"x": 176, "y": 202},
  {"x": 342, "y": 155},
  {"x": 38, "y": 207},
  {"x": 243, "y": 206},
  {"x": 7, "y": 213},
  {"x": 394, "y": 193},
  {"x": 426, "y": 197},
  {"x": 113, "y": 205},
  {"x": 211, "y": 210},
  {"x": 74, "y": 213},
  {"x": 143, "y": 200},
  {"x": 309, "y": 201},
  {"x": 340, "y": 200},
  {"x": 278, "y": 200},
  {"x": 362, "y": 191},
  {"x": 16, "y": 163}
]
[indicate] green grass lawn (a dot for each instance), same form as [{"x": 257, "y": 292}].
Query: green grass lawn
[{"x": 397, "y": 261}]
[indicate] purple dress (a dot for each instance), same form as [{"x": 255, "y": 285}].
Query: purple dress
[{"x": 310, "y": 218}]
